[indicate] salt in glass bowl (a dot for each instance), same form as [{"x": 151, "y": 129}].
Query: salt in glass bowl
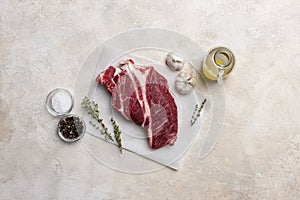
[{"x": 49, "y": 102}]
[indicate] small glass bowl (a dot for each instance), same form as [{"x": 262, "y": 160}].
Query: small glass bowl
[
  {"x": 49, "y": 99},
  {"x": 80, "y": 134}
]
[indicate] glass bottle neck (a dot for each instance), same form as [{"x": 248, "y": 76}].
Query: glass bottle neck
[{"x": 223, "y": 58}]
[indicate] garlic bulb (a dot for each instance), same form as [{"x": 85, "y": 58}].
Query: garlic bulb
[
  {"x": 185, "y": 83},
  {"x": 175, "y": 62}
]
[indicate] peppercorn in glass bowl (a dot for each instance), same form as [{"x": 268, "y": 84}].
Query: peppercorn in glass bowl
[
  {"x": 71, "y": 128},
  {"x": 59, "y": 102}
]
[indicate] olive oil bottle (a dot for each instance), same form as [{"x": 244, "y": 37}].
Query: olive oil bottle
[{"x": 218, "y": 63}]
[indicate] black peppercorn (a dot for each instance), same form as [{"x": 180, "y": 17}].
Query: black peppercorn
[{"x": 71, "y": 127}]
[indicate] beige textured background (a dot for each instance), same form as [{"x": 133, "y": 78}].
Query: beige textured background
[{"x": 43, "y": 44}]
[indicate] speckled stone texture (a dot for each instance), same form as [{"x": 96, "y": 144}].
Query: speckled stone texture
[{"x": 43, "y": 44}]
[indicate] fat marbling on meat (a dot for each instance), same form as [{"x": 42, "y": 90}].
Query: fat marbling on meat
[{"x": 142, "y": 95}]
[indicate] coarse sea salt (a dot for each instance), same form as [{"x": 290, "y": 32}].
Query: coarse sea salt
[{"x": 61, "y": 102}]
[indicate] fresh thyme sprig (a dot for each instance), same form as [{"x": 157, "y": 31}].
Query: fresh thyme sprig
[
  {"x": 196, "y": 112},
  {"x": 92, "y": 109},
  {"x": 117, "y": 133}
]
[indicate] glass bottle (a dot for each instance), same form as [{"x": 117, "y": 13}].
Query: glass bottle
[{"x": 218, "y": 64}]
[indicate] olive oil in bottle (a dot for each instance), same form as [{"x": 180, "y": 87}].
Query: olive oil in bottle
[{"x": 218, "y": 63}]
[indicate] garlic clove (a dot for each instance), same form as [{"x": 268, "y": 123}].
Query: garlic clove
[
  {"x": 175, "y": 62},
  {"x": 184, "y": 83}
]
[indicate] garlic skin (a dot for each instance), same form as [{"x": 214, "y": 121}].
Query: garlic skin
[
  {"x": 184, "y": 83},
  {"x": 175, "y": 62}
]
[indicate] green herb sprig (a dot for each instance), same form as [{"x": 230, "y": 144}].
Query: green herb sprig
[
  {"x": 117, "y": 134},
  {"x": 92, "y": 109},
  {"x": 197, "y": 112}
]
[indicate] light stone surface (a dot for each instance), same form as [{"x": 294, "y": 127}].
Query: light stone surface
[{"x": 43, "y": 45}]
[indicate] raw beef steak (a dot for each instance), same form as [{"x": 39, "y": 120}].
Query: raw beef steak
[{"x": 142, "y": 95}]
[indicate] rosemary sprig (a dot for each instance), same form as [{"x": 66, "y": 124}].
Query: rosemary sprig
[
  {"x": 92, "y": 109},
  {"x": 117, "y": 133},
  {"x": 196, "y": 112}
]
